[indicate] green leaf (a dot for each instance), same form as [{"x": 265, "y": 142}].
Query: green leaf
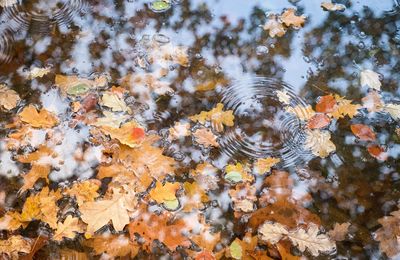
[
  {"x": 160, "y": 6},
  {"x": 234, "y": 176},
  {"x": 78, "y": 90},
  {"x": 236, "y": 250},
  {"x": 171, "y": 204}
]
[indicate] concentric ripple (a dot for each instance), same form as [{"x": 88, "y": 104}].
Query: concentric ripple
[
  {"x": 263, "y": 126},
  {"x": 39, "y": 15},
  {"x": 6, "y": 46}
]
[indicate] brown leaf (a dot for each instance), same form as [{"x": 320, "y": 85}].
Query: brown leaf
[
  {"x": 318, "y": 121},
  {"x": 274, "y": 27},
  {"x": 68, "y": 229},
  {"x": 205, "y": 137},
  {"x": 289, "y": 18},
  {"x": 84, "y": 191},
  {"x": 363, "y": 132},
  {"x": 326, "y": 104},
  {"x": 377, "y": 152},
  {"x": 9, "y": 99},
  {"x": 113, "y": 245},
  {"x": 264, "y": 165},
  {"x": 339, "y": 231},
  {"x": 216, "y": 116},
  {"x": 37, "y": 172},
  {"x": 372, "y": 102},
  {"x": 388, "y": 234},
  {"x": 14, "y": 245},
  {"x": 38, "y": 119}
]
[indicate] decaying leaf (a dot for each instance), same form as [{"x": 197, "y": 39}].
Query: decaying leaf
[
  {"x": 179, "y": 130},
  {"x": 289, "y": 18},
  {"x": 388, "y": 235},
  {"x": 9, "y": 99},
  {"x": 39, "y": 119},
  {"x": 114, "y": 101},
  {"x": 216, "y": 116},
  {"x": 339, "y": 231},
  {"x": 319, "y": 143},
  {"x": 363, "y": 132},
  {"x": 68, "y": 229},
  {"x": 332, "y": 7},
  {"x": 264, "y": 165},
  {"x": 38, "y": 72},
  {"x": 274, "y": 26},
  {"x": 113, "y": 245},
  {"x": 84, "y": 191},
  {"x": 14, "y": 245},
  {"x": 272, "y": 232},
  {"x": 205, "y": 137},
  {"x": 371, "y": 79},
  {"x": 37, "y": 172},
  {"x": 243, "y": 197}
]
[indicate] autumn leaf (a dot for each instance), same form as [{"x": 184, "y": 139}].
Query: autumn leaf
[
  {"x": 326, "y": 104},
  {"x": 149, "y": 81},
  {"x": 205, "y": 137},
  {"x": 272, "y": 232},
  {"x": 179, "y": 130},
  {"x": 363, "y": 132},
  {"x": 274, "y": 27},
  {"x": 332, "y": 7},
  {"x": 37, "y": 172},
  {"x": 388, "y": 234},
  {"x": 372, "y": 102},
  {"x": 371, "y": 79},
  {"x": 283, "y": 97},
  {"x": 68, "y": 229},
  {"x": 111, "y": 120},
  {"x": 38, "y": 119},
  {"x": 235, "y": 173},
  {"x": 244, "y": 248},
  {"x": 377, "y": 152},
  {"x": 14, "y": 245},
  {"x": 9, "y": 99},
  {"x": 264, "y": 165},
  {"x": 216, "y": 116},
  {"x": 243, "y": 197},
  {"x": 98, "y": 213},
  {"x": 36, "y": 72},
  {"x": 304, "y": 113},
  {"x": 344, "y": 108},
  {"x": 311, "y": 239},
  {"x": 319, "y": 143},
  {"x": 318, "y": 121},
  {"x": 84, "y": 191},
  {"x": 195, "y": 196},
  {"x": 114, "y": 101},
  {"x": 206, "y": 176},
  {"x": 339, "y": 231},
  {"x": 12, "y": 221},
  {"x": 165, "y": 193},
  {"x": 393, "y": 110},
  {"x": 289, "y": 18},
  {"x": 113, "y": 245},
  {"x": 131, "y": 133},
  {"x": 75, "y": 86}
]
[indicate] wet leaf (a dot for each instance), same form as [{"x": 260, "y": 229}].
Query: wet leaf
[
  {"x": 332, "y": 7},
  {"x": 393, "y": 110},
  {"x": 68, "y": 229},
  {"x": 160, "y": 5},
  {"x": 9, "y": 99},
  {"x": 283, "y": 97},
  {"x": 262, "y": 166},
  {"x": 216, "y": 116},
  {"x": 179, "y": 130},
  {"x": 289, "y": 18},
  {"x": 372, "y": 102},
  {"x": 319, "y": 143},
  {"x": 38, "y": 72},
  {"x": 304, "y": 113},
  {"x": 113, "y": 245},
  {"x": 237, "y": 172},
  {"x": 318, "y": 121},
  {"x": 165, "y": 193},
  {"x": 114, "y": 101},
  {"x": 339, "y": 231},
  {"x": 377, "y": 152},
  {"x": 326, "y": 104},
  {"x": 344, "y": 108},
  {"x": 274, "y": 27},
  {"x": 205, "y": 137},
  {"x": 84, "y": 191},
  {"x": 14, "y": 245},
  {"x": 38, "y": 119},
  {"x": 78, "y": 90},
  {"x": 388, "y": 234},
  {"x": 111, "y": 120},
  {"x": 195, "y": 196},
  {"x": 130, "y": 133},
  {"x": 76, "y": 86},
  {"x": 272, "y": 232},
  {"x": 363, "y": 132},
  {"x": 37, "y": 172},
  {"x": 243, "y": 197},
  {"x": 371, "y": 79},
  {"x": 235, "y": 250}
]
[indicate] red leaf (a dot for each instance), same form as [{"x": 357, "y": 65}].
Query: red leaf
[
  {"x": 326, "y": 104},
  {"x": 378, "y": 152},
  {"x": 363, "y": 132},
  {"x": 138, "y": 133},
  {"x": 318, "y": 121}
]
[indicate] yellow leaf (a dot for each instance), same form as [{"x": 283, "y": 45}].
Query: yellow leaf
[
  {"x": 37, "y": 171},
  {"x": 162, "y": 193},
  {"x": 8, "y": 98},
  {"x": 262, "y": 166},
  {"x": 241, "y": 170},
  {"x": 216, "y": 116},
  {"x": 344, "y": 107},
  {"x": 114, "y": 101},
  {"x": 68, "y": 228},
  {"x": 131, "y": 133},
  {"x": 38, "y": 119},
  {"x": 14, "y": 245},
  {"x": 179, "y": 130},
  {"x": 84, "y": 191},
  {"x": 12, "y": 221},
  {"x": 319, "y": 143}
]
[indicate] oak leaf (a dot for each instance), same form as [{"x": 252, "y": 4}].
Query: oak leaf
[
  {"x": 289, "y": 18},
  {"x": 9, "y": 99},
  {"x": 319, "y": 143},
  {"x": 371, "y": 79},
  {"x": 68, "y": 229},
  {"x": 344, "y": 107},
  {"x": 363, "y": 132},
  {"x": 243, "y": 197},
  {"x": 179, "y": 130},
  {"x": 38, "y": 119},
  {"x": 206, "y": 176},
  {"x": 205, "y": 137},
  {"x": 12, "y": 221},
  {"x": 216, "y": 116},
  {"x": 114, "y": 101},
  {"x": 274, "y": 26},
  {"x": 272, "y": 232},
  {"x": 111, "y": 120},
  {"x": 264, "y": 165}
]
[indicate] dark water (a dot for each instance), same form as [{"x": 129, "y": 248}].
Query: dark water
[{"x": 226, "y": 45}]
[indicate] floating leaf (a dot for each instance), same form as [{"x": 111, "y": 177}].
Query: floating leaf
[
  {"x": 377, "y": 152},
  {"x": 39, "y": 119},
  {"x": 319, "y": 143},
  {"x": 237, "y": 172},
  {"x": 371, "y": 79},
  {"x": 216, "y": 116},
  {"x": 78, "y": 90},
  {"x": 179, "y": 130},
  {"x": 9, "y": 99},
  {"x": 14, "y": 245},
  {"x": 113, "y": 245},
  {"x": 274, "y": 27},
  {"x": 363, "y": 132},
  {"x": 318, "y": 121},
  {"x": 339, "y": 231},
  {"x": 38, "y": 72},
  {"x": 393, "y": 110},
  {"x": 131, "y": 133},
  {"x": 160, "y": 5},
  {"x": 205, "y": 137},
  {"x": 291, "y": 19},
  {"x": 235, "y": 250},
  {"x": 262, "y": 166},
  {"x": 272, "y": 232},
  {"x": 165, "y": 193},
  {"x": 283, "y": 96},
  {"x": 372, "y": 102},
  {"x": 68, "y": 228},
  {"x": 304, "y": 113},
  {"x": 233, "y": 176},
  {"x": 332, "y": 7},
  {"x": 114, "y": 101},
  {"x": 326, "y": 104},
  {"x": 388, "y": 234}
]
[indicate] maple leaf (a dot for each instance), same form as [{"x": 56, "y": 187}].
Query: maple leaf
[
  {"x": 114, "y": 101},
  {"x": 318, "y": 121},
  {"x": 9, "y": 99},
  {"x": 372, "y": 102},
  {"x": 206, "y": 240},
  {"x": 165, "y": 193},
  {"x": 371, "y": 79},
  {"x": 262, "y": 166},
  {"x": 216, "y": 116},
  {"x": 319, "y": 143},
  {"x": 388, "y": 234},
  {"x": 339, "y": 231},
  {"x": 12, "y": 221},
  {"x": 159, "y": 227},
  {"x": 274, "y": 26},
  {"x": 131, "y": 133},
  {"x": 84, "y": 191},
  {"x": 196, "y": 196},
  {"x": 272, "y": 232},
  {"x": 179, "y": 130},
  {"x": 344, "y": 107},
  {"x": 38, "y": 119},
  {"x": 37, "y": 172},
  {"x": 364, "y": 132},
  {"x": 14, "y": 245},
  {"x": 332, "y": 7},
  {"x": 98, "y": 213},
  {"x": 113, "y": 245},
  {"x": 205, "y": 137},
  {"x": 68, "y": 228},
  {"x": 291, "y": 19},
  {"x": 393, "y": 110},
  {"x": 311, "y": 240},
  {"x": 35, "y": 157}
]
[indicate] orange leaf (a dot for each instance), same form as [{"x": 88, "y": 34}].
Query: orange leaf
[
  {"x": 378, "y": 152},
  {"x": 326, "y": 104},
  {"x": 318, "y": 121},
  {"x": 39, "y": 119},
  {"x": 363, "y": 132}
]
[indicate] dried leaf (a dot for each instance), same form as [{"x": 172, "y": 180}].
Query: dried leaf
[
  {"x": 272, "y": 232},
  {"x": 68, "y": 229},
  {"x": 332, "y": 7},
  {"x": 289, "y": 18},
  {"x": 111, "y": 120},
  {"x": 37, "y": 172},
  {"x": 179, "y": 130},
  {"x": 164, "y": 193},
  {"x": 339, "y": 231},
  {"x": 274, "y": 27},
  {"x": 372, "y": 102},
  {"x": 114, "y": 101},
  {"x": 243, "y": 197},
  {"x": 319, "y": 143},
  {"x": 262, "y": 166},
  {"x": 9, "y": 99},
  {"x": 310, "y": 239},
  {"x": 388, "y": 234},
  {"x": 76, "y": 86},
  {"x": 393, "y": 110},
  {"x": 84, "y": 191},
  {"x": 344, "y": 107},
  {"x": 371, "y": 79},
  {"x": 39, "y": 119},
  {"x": 205, "y": 137},
  {"x": 364, "y": 132},
  {"x": 283, "y": 97},
  {"x": 14, "y": 245},
  {"x": 216, "y": 116}
]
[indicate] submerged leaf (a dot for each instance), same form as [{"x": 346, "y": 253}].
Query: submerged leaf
[
  {"x": 332, "y": 7},
  {"x": 216, "y": 116},
  {"x": 363, "y": 132},
  {"x": 9, "y": 99}
]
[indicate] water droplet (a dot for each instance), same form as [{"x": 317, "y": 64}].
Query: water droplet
[{"x": 262, "y": 50}]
